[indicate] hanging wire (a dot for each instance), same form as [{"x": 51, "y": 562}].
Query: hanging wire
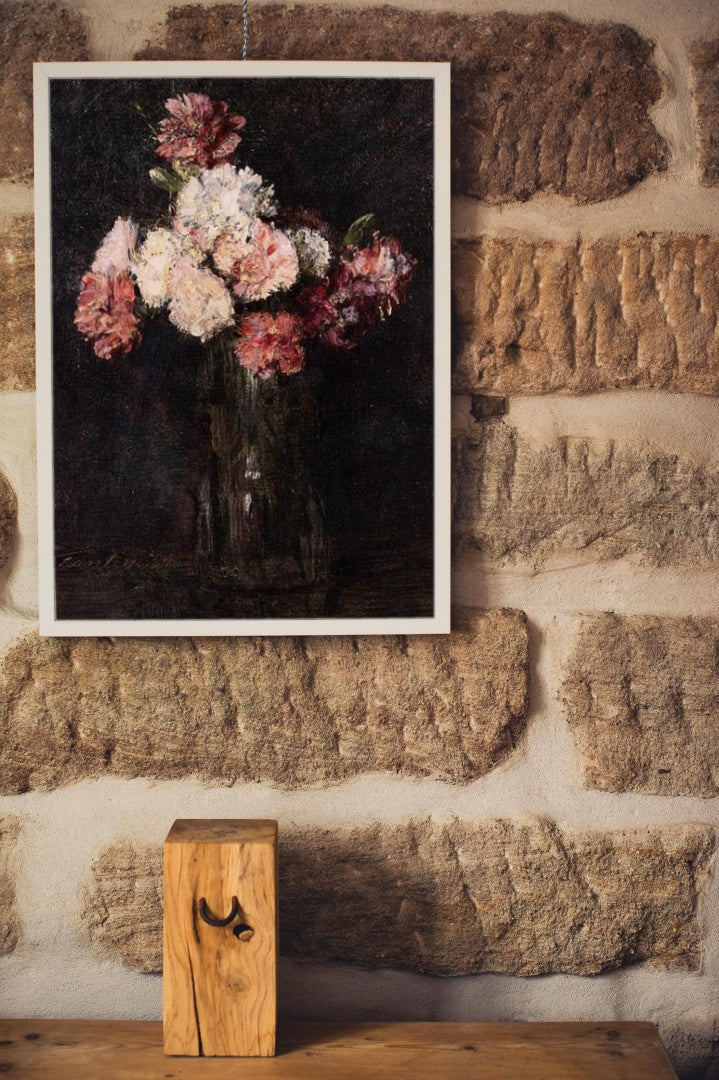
[{"x": 244, "y": 29}]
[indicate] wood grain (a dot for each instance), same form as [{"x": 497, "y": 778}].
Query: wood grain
[
  {"x": 86, "y": 1050},
  {"x": 219, "y": 987}
]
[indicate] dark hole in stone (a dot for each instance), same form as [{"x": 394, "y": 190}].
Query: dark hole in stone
[
  {"x": 513, "y": 352},
  {"x": 614, "y": 1034},
  {"x": 470, "y": 1047},
  {"x": 484, "y": 406},
  {"x": 5, "y": 1066},
  {"x": 32, "y": 1035}
]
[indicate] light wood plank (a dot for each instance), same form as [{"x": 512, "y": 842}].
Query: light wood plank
[
  {"x": 223, "y": 831},
  {"x": 220, "y": 989},
  {"x": 115, "y": 1050}
]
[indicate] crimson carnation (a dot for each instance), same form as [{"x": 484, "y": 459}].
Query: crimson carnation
[
  {"x": 325, "y": 320},
  {"x": 198, "y": 131},
  {"x": 363, "y": 289},
  {"x": 267, "y": 344},
  {"x": 105, "y": 314}
]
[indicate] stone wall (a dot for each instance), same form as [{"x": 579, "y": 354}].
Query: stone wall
[{"x": 533, "y": 795}]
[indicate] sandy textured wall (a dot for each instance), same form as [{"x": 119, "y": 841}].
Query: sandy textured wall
[{"x": 537, "y": 794}]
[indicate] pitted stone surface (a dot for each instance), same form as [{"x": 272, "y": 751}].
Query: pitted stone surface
[
  {"x": 123, "y": 905},
  {"x": 540, "y": 102},
  {"x": 9, "y": 919},
  {"x": 516, "y": 500},
  {"x": 8, "y": 519},
  {"x": 692, "y": 1047},
  {"x": 17, "y": 303},
  {"x": 705, "y": 61},
  {"x": 642, "y": 697},
  {"x": 30, "y": 33},
  {"x": 292, "y": 711},
  {"x": 640, "y": 311},
  {"x": 521, "y": 897}
]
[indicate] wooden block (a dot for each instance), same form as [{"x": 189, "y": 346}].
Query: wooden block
[{"x": 220, "y": 982}]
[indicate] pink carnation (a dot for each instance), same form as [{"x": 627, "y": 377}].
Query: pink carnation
[
  {"x": 114, "y": 255},
  {"x": 268, "y": 344},
  {"x": 381, "y": 272},
  {"x": 260, "y": 261},
  {"x": 198, "y": 131},
  {"x": 105, "y": 314}
]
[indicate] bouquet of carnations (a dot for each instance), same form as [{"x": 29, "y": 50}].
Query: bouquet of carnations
[{"x": 229, "y": 262}]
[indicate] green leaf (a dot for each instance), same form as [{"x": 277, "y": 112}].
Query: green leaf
[
  {"x": 141, "y": 112},
  {"x": 360, "y": 229},
  {"x": 185, "y": 169},
  {"x": 168, "y": 181}
]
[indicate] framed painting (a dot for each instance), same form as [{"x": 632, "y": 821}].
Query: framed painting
[{"x": 243, "y": 332}]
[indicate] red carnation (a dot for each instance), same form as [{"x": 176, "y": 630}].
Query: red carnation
[
  {"x": 105, "y": 314},
  {"x": 268, "y": 344},
  {"x": 198, "y": 131}
]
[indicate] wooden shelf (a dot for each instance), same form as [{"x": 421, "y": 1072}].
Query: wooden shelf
[{"x": 120, "y": 1050}]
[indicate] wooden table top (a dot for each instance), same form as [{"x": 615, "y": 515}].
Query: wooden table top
[{"x": 120, "y": 1050}]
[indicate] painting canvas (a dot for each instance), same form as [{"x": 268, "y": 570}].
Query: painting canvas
[{"x": 243, "y": 348}]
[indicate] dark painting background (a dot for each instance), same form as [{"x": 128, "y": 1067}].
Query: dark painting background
[{"x": 129, "y": 448}]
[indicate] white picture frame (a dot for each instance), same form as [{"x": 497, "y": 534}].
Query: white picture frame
[{"x": 80, "y": 595}]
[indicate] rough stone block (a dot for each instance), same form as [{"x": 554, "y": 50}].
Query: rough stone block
[
  {"x": 639, "y": 311},
  {"x": 8, "y": 519},
  {"x": 705, "y": 62},
  {"x": 516, "y": 500},
  {"x": 521, "y": 897},
  {"x": 29, "y": 33},
  {"x": 123, "y": 905},
  {"x": 292, "y": 711},
  {"x": 540, "y": 102},
  {"x": 642, "y": 697},
  {"x": 9, "y": 919},
  {"x": 17, "y": 303}
]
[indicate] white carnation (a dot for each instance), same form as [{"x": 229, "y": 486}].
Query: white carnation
[
  {"x": 221, "y": 200},
  {"x": 263, "y": 195},
  {"x": 200, "y": 304},
  {"x": 163, "y": 254},
  {"x": 313, "y": 251}
]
